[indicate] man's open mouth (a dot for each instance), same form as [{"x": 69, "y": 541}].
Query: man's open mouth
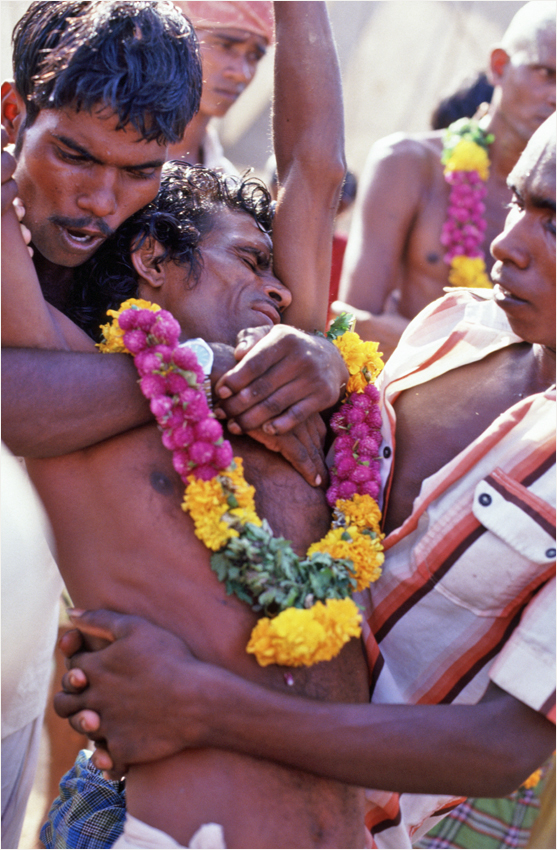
[{"x": 83, "y": 236}]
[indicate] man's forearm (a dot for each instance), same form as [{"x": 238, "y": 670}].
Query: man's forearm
[
  {"x": 112, "y": 695},
  {"x": 445, "y": 749},
  {"x": 73, "y": 400},
  {"x": 309, "y": 146}
]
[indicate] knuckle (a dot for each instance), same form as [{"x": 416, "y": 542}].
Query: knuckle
[
  {"x": 296, "y": 415},
  {"x": 258, "y": 389},
  {"x": 302, "y": 456},
  {"x": 273, "y": 405}
]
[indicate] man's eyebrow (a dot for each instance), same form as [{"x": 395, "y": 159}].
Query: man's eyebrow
[
  {"x": 263, "y": 256},
  {"x": 539, "y": 202},
  {"x": 73, "y": 145},
  {"x": 238, "y": 38},
  {"x": 70, "y": 143}
]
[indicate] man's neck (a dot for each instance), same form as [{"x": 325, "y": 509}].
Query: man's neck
[
  {"x": 56, "y": 281},
  {"x": 507, "y": 146},
  {"x": 190, "y": 149},
  {"x": 544, "y": 366}
]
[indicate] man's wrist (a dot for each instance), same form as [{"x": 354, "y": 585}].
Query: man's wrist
[
  {"x": 206, "y": 697},
  {"x": 202, "y": 351},
  {"x": 343, "y": 373}
]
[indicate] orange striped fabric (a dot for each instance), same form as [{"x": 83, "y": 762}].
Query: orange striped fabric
[{"x": 467, "y": 592}]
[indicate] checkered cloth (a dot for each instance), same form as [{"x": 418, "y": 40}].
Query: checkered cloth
[
  {"x": 505, "y": 822},
  {"x": 90, "y": 810}
]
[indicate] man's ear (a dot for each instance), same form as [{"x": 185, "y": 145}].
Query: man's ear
[
  {"x": 145, "y": 261},
  {"x": 13, "y": 110},
  {"x": 498, "y": 62}
]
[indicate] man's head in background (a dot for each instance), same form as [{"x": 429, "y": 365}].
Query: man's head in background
[
  {"x": 523, "y": 70},
  {"x": 233, "y": 38},
  {"x": 89, "y": 117}
]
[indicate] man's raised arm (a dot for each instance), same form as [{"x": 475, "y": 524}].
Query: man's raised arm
[
  {"x": 388, "y": 200},
  {"x": 308, "y": 133}
]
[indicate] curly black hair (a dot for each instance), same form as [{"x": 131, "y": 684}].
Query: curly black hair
[
  {"x": 138, "y": 57},
  {"x": 181, "y": 215}
]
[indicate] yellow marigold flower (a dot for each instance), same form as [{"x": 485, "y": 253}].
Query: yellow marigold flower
[
  {"x": 207, "y": 505},
  {"x": 365, "y": 553},
  {"x": 533, "y": 779},
  {"x": 140, "y": 303},
  {"x": 362, "y": 511},
  {"x": 362, "y": 359},
  {"x": 469, "y": 271},
  {"x": 367, "y": 557},
  {"x": 234, "y": 477},
  {"x": 113, "y": 339},
  {"x": 113, "y": 334},
  {"x": 301, "y": 637},
  {"x": 331, "y": 543},
  {"x": 468, "y": 156}
]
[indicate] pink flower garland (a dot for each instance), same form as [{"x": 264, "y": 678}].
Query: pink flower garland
[
  {"x": 170, "y": 379},
  {"x": 463, "y": 231},
  {"x": 356, "y": 466}
]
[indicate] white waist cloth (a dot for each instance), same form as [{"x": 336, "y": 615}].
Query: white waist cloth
[
  {"x": 140, "y": 836},
  {"x": 20, "y": 753}
]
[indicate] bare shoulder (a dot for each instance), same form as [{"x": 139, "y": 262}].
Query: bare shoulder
[
  {"x": 400, "y": 148},
  {"x": 76, "y": 339},
  {"x": 410, "y": 162}
]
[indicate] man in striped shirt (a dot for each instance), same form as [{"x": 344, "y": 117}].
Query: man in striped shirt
[{"x": 460, "y": 629}]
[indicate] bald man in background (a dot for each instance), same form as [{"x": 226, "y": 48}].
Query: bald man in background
[{"x": 394, "y": 262}]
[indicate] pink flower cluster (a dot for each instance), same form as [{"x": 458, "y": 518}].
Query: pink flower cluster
[
  {"x": 358, "y": 438},
  {"x": 463, "y": 231},
  {"x": 170, "y": 377}
]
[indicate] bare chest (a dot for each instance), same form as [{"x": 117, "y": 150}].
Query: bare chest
[
  {"x": 424, "y": 273},
  {"x": 125, "y": 543}
]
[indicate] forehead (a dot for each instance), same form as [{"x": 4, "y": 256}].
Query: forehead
[
  {"x": 539, "y": 51},
  {"x": 235, "y": 229},
  {"x": 534, "y": 172},
  {"x": 238, "y": 36},
  {"x": 97, "y": 133}
]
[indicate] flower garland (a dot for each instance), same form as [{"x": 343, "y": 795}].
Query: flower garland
[
  {"x": 308, "y": 611},
  {"x": 466, "y": 160}
]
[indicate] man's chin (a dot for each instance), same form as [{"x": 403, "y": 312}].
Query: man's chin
[{"x": 63, "y": 258}]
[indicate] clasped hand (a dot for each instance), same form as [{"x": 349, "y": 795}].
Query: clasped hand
[
  {"x": 143, "y": 723},
  {"x": 283, "y": 379}
]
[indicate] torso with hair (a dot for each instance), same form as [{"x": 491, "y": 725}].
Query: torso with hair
[{"x": 125, "y": 544}]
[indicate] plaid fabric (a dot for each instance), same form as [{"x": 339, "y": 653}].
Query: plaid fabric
[
  {"x": 505, "y": 822},
  {"x": 90, "y": 810}
]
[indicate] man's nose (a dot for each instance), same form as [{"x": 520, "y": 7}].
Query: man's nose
[
  {"x": 509, "y": 246},
  {"x": 98, "y": 196},
  {"x": 279, "y": 293},
  {"x": 240, "y": 69}
]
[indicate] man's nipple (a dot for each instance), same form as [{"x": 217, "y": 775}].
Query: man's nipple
[{"x": 161, "y": 483}]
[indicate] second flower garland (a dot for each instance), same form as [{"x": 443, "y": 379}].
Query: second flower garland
[
  {"x": 466, "y": 160},
  {"x": 308, "y": 611}
]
